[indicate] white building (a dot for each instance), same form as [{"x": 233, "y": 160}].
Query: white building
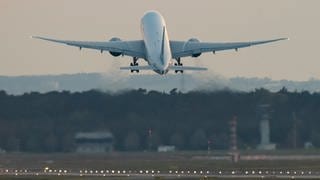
[
  {"x": 264, "y": 115},
  {"x": 166, "y": 148},
  {"x": 94, "y": 142}
]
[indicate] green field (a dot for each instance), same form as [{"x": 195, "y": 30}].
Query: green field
[{"x": 151, "y": 161}]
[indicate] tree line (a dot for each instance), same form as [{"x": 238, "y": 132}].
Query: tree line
[{"x": 143, "y": 120}]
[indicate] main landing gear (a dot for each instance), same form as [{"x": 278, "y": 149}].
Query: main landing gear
[
  {"x": 134, "y": 63},
  {"x": 178, "y": 63}
]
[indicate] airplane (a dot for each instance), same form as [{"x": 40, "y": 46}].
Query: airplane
[{"x": 156, "y": 48}]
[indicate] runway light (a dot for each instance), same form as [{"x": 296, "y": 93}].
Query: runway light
[
  {"x": 246, "y": 172},
  {"x": 123, "y": 171},
  {"x": 253, "y": 172},
  {"x": 220, "y": 172},
  {"x": 170, "y": 172},
  {"x": 260, "y": 172},
  {"x": 208, "y": 172},
  {"x": 288, "y": 172},
  {"x": 176, "y": 172},
  {"x": 309, "y": 172},
  {"x": 232, "y": 172},
  {"x": 194, "y": 172}
]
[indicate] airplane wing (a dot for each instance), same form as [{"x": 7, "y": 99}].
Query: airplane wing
[
  {"x": 128, "y": 48},
  {"x": 189, "y": 48}
]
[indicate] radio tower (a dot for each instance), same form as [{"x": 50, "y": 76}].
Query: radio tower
[
  {"x": 233, "y": 134},
  {"x": 233, "y": 139}
]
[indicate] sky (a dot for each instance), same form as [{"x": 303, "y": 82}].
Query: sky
[{"x": 207, "y": 20}]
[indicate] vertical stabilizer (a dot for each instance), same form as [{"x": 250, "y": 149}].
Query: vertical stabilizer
[{"x": 162, "y": 43}]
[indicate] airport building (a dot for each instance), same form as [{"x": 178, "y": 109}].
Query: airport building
[
  {"x": 263, "y": 113},
  {"x": 94, "y": 142},
  {"x": 166, "y": 148}
]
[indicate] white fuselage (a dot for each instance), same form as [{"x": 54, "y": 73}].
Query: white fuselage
[{"x": 156, "y": 40}]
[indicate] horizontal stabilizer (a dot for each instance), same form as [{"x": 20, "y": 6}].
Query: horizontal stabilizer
[
  {"x": 136, "y": 68},
  {"x": 187, "y": 68},
  {"x": 174, "y": 68}
]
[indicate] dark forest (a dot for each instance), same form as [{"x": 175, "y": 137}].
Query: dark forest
[{"x": 35, "y": 122}]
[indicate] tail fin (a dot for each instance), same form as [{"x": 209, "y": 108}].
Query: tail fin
[{"x": 162, "y": 44}]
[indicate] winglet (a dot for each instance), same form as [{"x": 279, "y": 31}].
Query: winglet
[
  {"x": 37, "y": 37},
  {"x": 49, "y": 39}
]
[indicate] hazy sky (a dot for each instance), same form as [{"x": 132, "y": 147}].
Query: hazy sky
[{"x": 207, "y": 20}]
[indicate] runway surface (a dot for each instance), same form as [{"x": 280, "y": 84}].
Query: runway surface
[{"x": 285, "y": 174}]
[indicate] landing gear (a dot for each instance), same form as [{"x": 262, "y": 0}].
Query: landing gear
[
  {"x": 178, "y": 63},
  {"x": 134, "y": 63}
]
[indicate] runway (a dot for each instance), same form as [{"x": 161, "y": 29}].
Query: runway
[{"x": 285, "y": 174}]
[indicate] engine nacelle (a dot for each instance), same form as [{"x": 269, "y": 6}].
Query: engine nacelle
[
  {"x": 193, "y": 40},
  {"x": 115, "y": 54}
]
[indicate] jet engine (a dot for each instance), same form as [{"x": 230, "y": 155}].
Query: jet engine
[
  {"x": 193, "y": 40},
  {"x": 115, "y": 54}
]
